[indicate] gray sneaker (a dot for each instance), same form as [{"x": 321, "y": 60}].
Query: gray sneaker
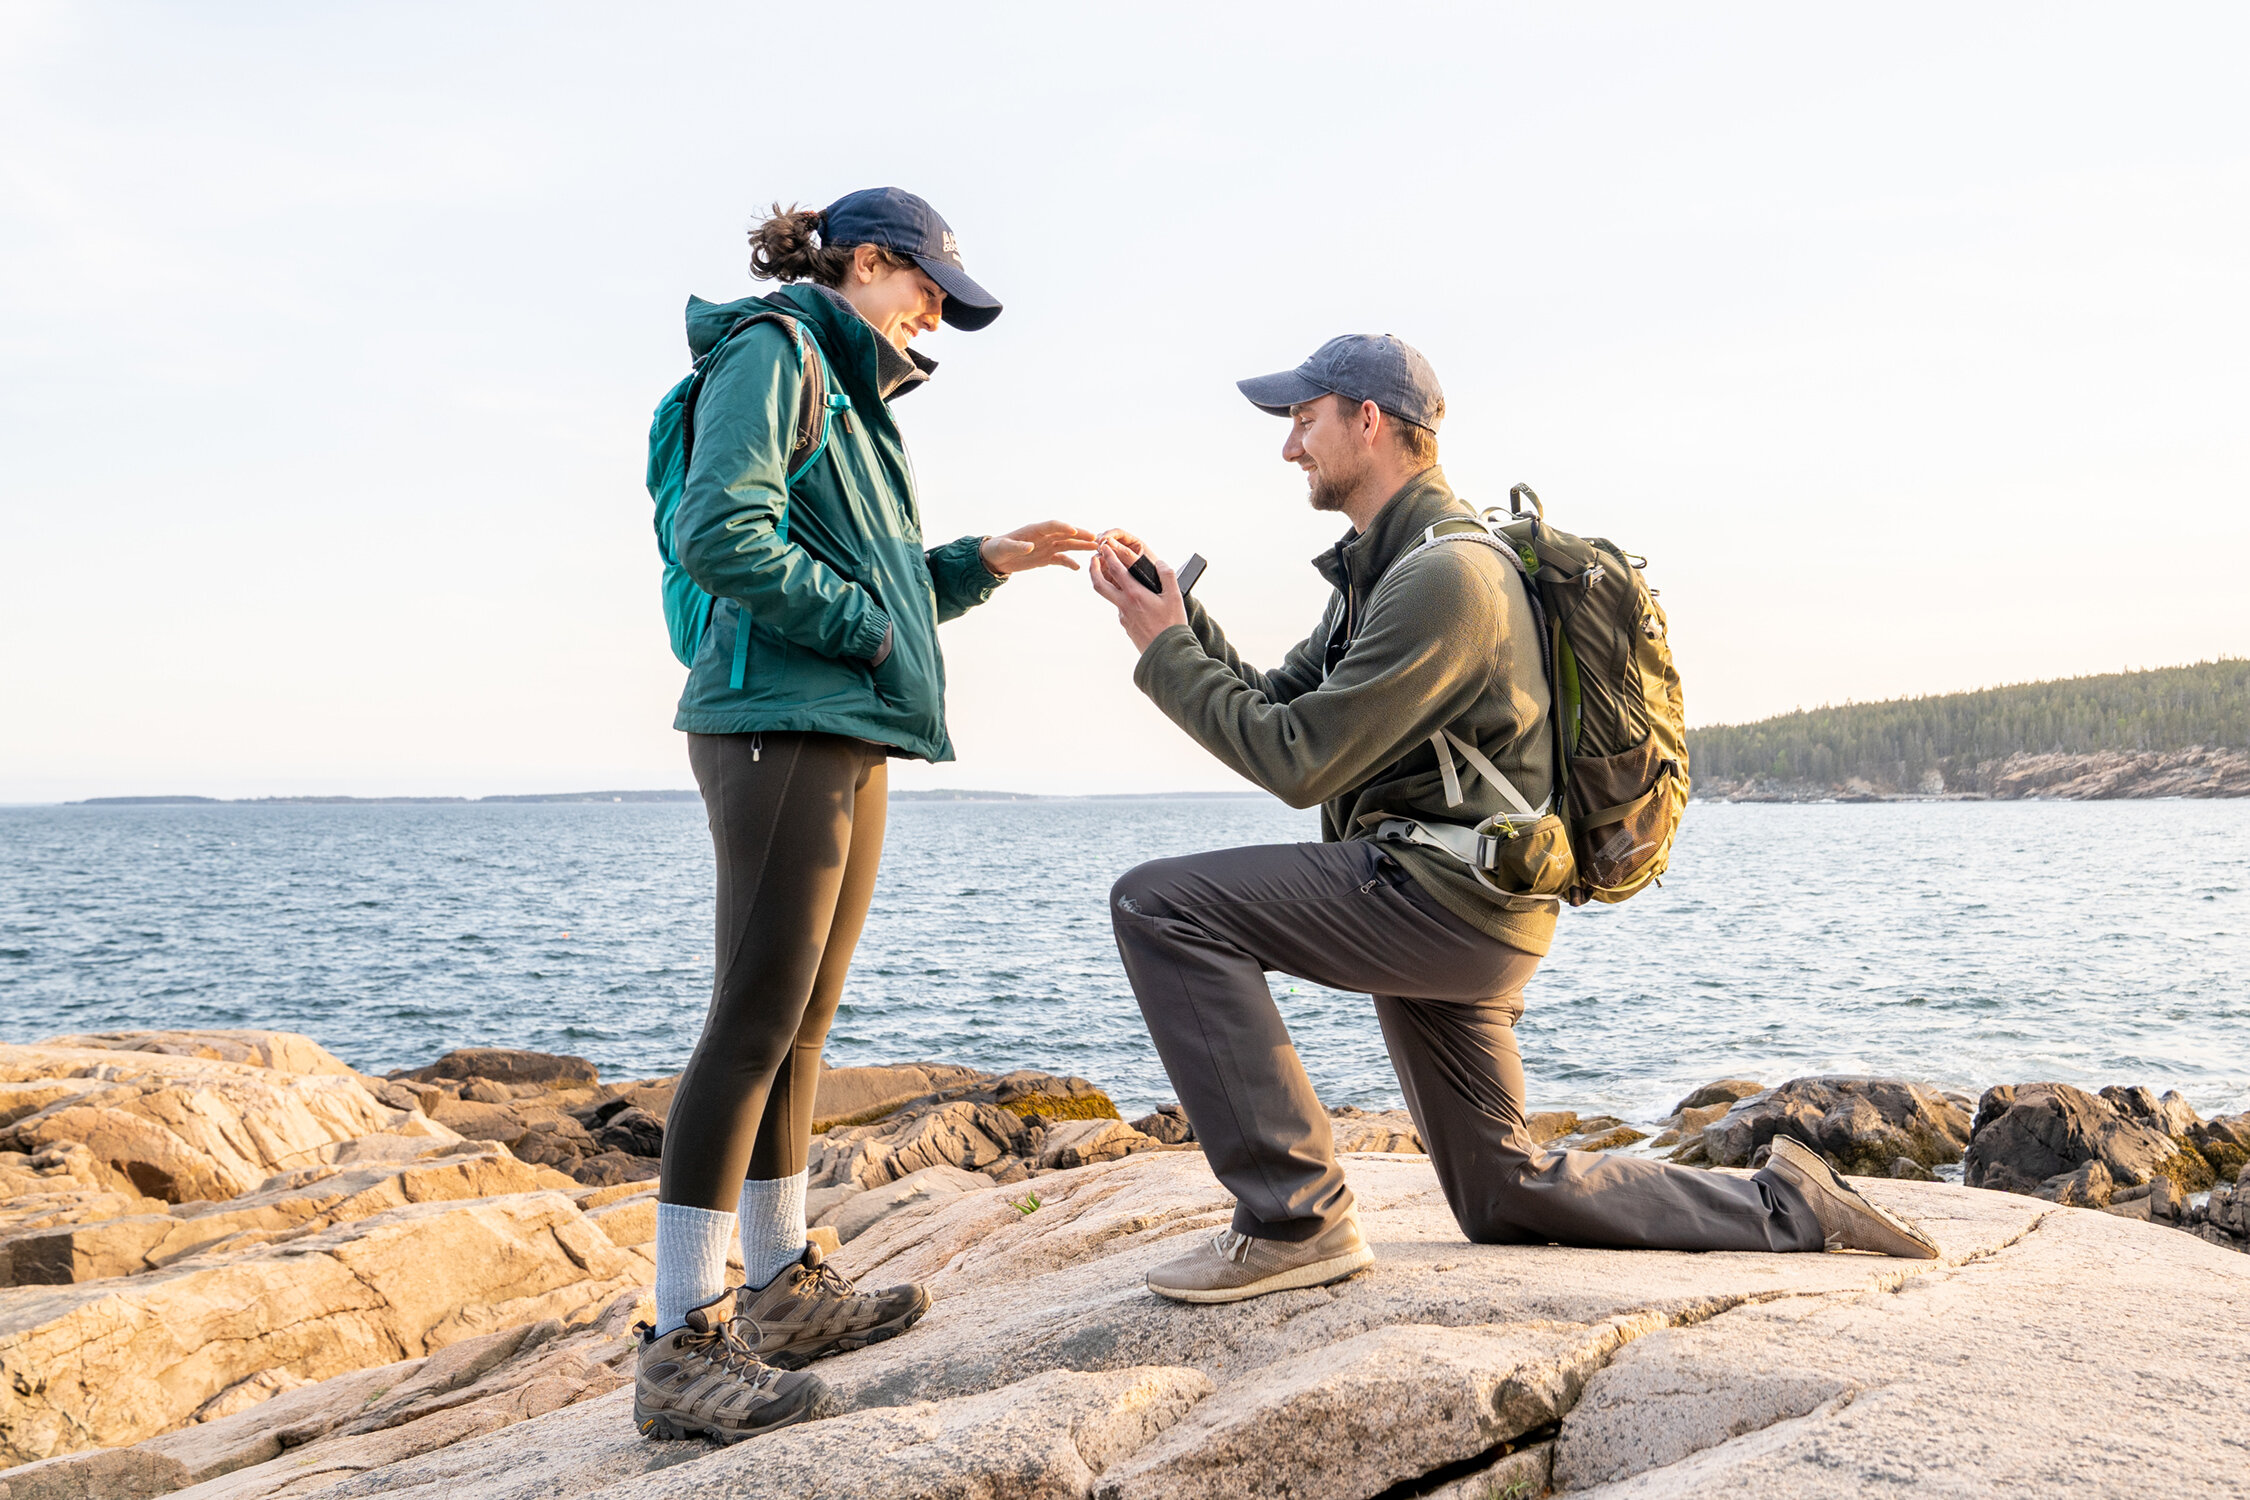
[
  {"x": 810, "y": 1311},
  {"x": 1849, "y": 1221},
  {"x": 1229, "y": 1267},
  {"x": 702, "y": 1381}
]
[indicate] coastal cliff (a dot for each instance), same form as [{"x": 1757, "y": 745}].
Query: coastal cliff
[
  {"x": 237, "y": 1268},
  {"x": 2170, "y": 732},
  {"x": 2199, "y": 771}
]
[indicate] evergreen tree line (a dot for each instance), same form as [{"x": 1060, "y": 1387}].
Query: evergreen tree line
[{"x": 1898, "y": 742}]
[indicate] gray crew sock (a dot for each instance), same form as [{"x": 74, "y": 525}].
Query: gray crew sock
[
  {"x": 773, "y": 1228},
  {"x": 691, "y": 1261}
]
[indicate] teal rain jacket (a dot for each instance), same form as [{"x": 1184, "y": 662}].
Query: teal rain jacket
[{"x": 816, "y": 576}]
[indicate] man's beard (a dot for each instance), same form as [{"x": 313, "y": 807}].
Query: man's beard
[{"x": 1330, "y": 492}]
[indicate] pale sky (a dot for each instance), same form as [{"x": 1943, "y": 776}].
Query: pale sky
[{"x": 1907, "y": 343}]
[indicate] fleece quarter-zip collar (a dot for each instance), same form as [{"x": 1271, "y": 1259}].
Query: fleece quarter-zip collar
[{"x": 1359, "y": 558}]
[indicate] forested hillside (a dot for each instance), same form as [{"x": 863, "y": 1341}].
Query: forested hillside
[{"x": 1940, "y": 743}]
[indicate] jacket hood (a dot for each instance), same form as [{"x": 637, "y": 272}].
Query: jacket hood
[
  {"x": 708, "y": 322},
  {"x": 850, "y": 345}
]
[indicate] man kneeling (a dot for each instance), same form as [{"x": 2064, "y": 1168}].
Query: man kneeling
[{"x": 1417, "y": 640}]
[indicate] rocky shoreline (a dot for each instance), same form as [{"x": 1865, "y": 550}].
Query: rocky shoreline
[
  {"x": 2199, "y": 771},
  {"x": 232, "y": 1266}
]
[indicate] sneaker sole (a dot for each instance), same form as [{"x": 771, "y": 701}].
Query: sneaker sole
[
  {"x": 1805, "y": 1161},
  {"x": 664, "y": 1427},
  {"x": 797, "y": 1359},
  {"x": 1318, "y": 1273}
]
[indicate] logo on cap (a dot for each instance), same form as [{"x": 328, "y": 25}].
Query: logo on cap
[{"x": 952, "y": 246}]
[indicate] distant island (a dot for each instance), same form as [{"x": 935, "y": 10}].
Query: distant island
[
  {"x": 182, "y": 801},
  {"x": 2170, "y": 732},
  {"x": 939, "y": 794}
]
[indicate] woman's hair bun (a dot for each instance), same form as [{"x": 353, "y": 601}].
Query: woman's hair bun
[{"x": 788, "y": 247}]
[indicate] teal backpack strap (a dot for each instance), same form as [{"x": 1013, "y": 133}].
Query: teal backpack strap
[
  {"x": 741, "y": 648},
  {"x": 818, "y": 416}
]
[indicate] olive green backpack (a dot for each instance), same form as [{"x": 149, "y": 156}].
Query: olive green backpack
[
  {"x": 1620, "y": 732},
  {"x": 1619, "y": 723}
]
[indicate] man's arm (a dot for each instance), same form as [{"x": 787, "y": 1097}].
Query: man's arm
[
  {"x": 1298, "y": 673},
  {"x": 728, "y": 530},
  {"x": 1406, "y": 675}
]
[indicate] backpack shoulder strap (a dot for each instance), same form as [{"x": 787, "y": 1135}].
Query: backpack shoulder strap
[
  {"x": 1445, "y": 741},
  {"x": 817, "y": 403}
]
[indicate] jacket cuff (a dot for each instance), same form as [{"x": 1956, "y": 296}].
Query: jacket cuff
[
  {"x": 872, "y": 642},
  {"x": 1173, "y": 647}
]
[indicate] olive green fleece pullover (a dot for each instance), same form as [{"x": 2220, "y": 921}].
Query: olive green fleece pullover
[{"x": 1443, "y": 640}]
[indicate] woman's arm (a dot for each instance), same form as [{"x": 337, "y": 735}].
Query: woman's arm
[
  {"x": 965, "y": 572},
  {"x": 960, "y": 578},
  {"x": 728, "y": 532}
]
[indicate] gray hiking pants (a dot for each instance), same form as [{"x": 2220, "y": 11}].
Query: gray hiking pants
[{"x": 1199, "y": 933}]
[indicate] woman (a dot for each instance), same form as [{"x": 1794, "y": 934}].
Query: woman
[{"x": 819, "y": 663}]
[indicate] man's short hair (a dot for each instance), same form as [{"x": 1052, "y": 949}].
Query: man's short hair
[{"x": 1419, "y": 443}]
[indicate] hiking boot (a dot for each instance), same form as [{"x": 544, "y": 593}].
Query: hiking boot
[
  {"x": 702, "y": 1381},
  {"x": 810, "y": 1311},
  {"x": 1849, "y": 1221},
  {"x": 1229, "y": 1267}
]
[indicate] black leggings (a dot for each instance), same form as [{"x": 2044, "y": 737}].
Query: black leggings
[{"x": 797, "y": 824}]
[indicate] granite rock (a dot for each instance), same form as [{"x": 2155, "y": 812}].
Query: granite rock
[
  {"x": 286, "y": 1206},
  {"x": 855, "y": 1215},
  {"x": 1044, "y": 1369},
  {"x": 104, "y": 1363},
  {"x": 1860, "y": 1125},
  {"x": 1168, "y": 1124},
  {"x": 1077, "y": 1143},
  {"x": 279, "y": 1051},
  {"x": 183, "y": 1127},
  {"x": 1360, "y": 1130},
  {"x": 2026, "y": 1135},
  {"x": 1725, "y": 1092},
  {"x": 852, "y": 1096},
  {"x": 1976, "y": 1379},
  {"x": 506, "y": 1065}
]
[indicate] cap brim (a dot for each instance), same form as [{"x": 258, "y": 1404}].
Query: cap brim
[
  {"x": 1277, "y": 393},
  {"x": 967, "y": 306}
]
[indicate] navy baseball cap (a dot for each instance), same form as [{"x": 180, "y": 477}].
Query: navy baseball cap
[
  {"x": 1359, "y": 367},
  {"x": 897, "y": 220}
]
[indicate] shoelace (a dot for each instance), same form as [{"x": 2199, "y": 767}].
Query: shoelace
[
  {"x": 823, "y": 1278},
  {"x": 732, "y": 1356},
  {"x": 1235, "y": 1247}
]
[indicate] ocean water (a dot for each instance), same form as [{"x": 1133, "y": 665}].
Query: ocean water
[{"x": 1964, "y": 944}]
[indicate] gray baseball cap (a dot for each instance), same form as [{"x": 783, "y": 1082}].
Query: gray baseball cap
[{"x": 1359, "y": 367}]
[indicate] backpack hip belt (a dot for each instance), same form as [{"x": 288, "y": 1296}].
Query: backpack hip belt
[{"x": 1480, "y": 848}]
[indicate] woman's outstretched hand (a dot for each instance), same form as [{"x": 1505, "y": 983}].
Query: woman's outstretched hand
[{"x": 1039, "y": 545}]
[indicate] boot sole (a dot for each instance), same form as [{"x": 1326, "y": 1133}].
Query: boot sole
[
  {"x": 797, "y": 1359},
  {"x": 1826, "y": 1179},
  {"x": 665, "y": 1427},
  {"x": 1318, "y": 1273}
]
